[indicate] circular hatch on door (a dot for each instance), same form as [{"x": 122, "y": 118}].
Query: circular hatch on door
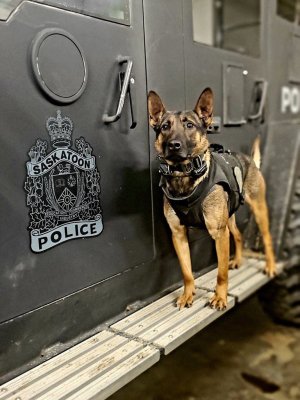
[{"x": 59, "y": 65}]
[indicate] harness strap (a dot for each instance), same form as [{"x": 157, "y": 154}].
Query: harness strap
[{"x": 196, "y": 167}]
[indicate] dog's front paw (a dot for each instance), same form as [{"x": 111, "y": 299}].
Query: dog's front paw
[
  {"x": 186, "y": 299},
  {"x": 234, "y": 264},
  {"x": 270, "y": 269},
  {"x": 217, "y": 302}
]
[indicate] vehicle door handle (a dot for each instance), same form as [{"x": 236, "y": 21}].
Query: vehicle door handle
[
  {"x": 125, "y": 88},
  {"x": 260, "y": 95}
]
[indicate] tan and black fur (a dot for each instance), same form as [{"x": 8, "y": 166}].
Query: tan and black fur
[{"x": 180, "y": 136}]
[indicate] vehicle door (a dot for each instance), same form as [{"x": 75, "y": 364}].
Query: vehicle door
[
  {"x": 74, "y": 155},
  {"x": 223, "y": 50}
]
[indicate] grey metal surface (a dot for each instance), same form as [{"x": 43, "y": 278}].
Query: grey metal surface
[
  {"x": 280, "y": 169},
  {"x": 122, "y": 157},
  {"x": 233, "y": 94},
  {"x": 165, "y": 51},
  {"x": 282, "y": 147},
  {"x": 96, "y": 368},
  {"x": 243, "y": 281},
  {"x": 163, "y": 325},
  {"x": 294, "y": 63},
  {"x": 99, "y": 278},
  {"x": 279, "y": 44},
  {"x": 100, "y": 365}
]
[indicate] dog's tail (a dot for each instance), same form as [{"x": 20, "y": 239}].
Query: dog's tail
[{"x": 255, "y": 153}]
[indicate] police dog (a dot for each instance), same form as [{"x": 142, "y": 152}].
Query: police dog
[{"x": 182, "y": 145}]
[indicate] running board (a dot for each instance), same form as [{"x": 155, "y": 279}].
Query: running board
[{"x": 102, "y": 364}]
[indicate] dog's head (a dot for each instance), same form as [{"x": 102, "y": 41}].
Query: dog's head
[{"x": 181, "y": 135}]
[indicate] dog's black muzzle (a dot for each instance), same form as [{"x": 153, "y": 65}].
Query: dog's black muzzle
[{"x": 175, "y": 151}]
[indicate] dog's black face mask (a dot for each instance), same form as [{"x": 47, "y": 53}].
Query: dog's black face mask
[{"x": 180, "y": 136}]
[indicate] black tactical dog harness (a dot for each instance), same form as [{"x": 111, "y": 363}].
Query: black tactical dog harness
[{"x": 225, "y": 170}]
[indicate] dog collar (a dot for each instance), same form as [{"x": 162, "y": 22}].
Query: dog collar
[{"x": 196, "y": 167}]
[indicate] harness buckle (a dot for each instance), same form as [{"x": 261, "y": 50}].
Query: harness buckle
[
  {"x": 164, "y": 169},
  {"x": 199, "y": 166}
]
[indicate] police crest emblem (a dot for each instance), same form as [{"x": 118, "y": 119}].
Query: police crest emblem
[{"x": 63, "y": 188}]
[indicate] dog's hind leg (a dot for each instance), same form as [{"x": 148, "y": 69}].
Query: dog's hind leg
[
  {"x": 238, "y": 242},
  {"x": 257, "y": 202},
  {"x": 181, "y": 245}
]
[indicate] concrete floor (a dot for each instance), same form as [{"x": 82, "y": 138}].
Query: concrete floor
[{"x": 241, "y": 356}]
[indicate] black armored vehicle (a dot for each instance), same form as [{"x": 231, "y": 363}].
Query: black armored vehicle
[{"x": 88, "y": 274}]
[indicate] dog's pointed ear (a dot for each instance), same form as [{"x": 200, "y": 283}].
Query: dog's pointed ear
[
  {"x": 204, "y": 106},
  {"x": 156, "y": 109}
]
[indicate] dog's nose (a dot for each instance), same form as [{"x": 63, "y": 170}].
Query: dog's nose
[{"x": 174, "y": 145}]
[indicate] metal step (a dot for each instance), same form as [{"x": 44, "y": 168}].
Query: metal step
[
  {"x": 243, "y": 281},
  {"x": 163, "y": 325},
  {"x": 100, "y": 365},
  {"x": 104, "y": 363}
]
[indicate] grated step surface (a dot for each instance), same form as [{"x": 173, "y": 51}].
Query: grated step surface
[
  {"x": 102, "y": 364},
  {"x": 243, "y": 281},
  {"x": 163, "y": 325},
  {"x": 98, "y": 366}
]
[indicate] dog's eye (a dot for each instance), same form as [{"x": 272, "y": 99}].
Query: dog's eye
[
  {"x": 164, "y": 127},
  {"x": 189, "y": 125}
]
